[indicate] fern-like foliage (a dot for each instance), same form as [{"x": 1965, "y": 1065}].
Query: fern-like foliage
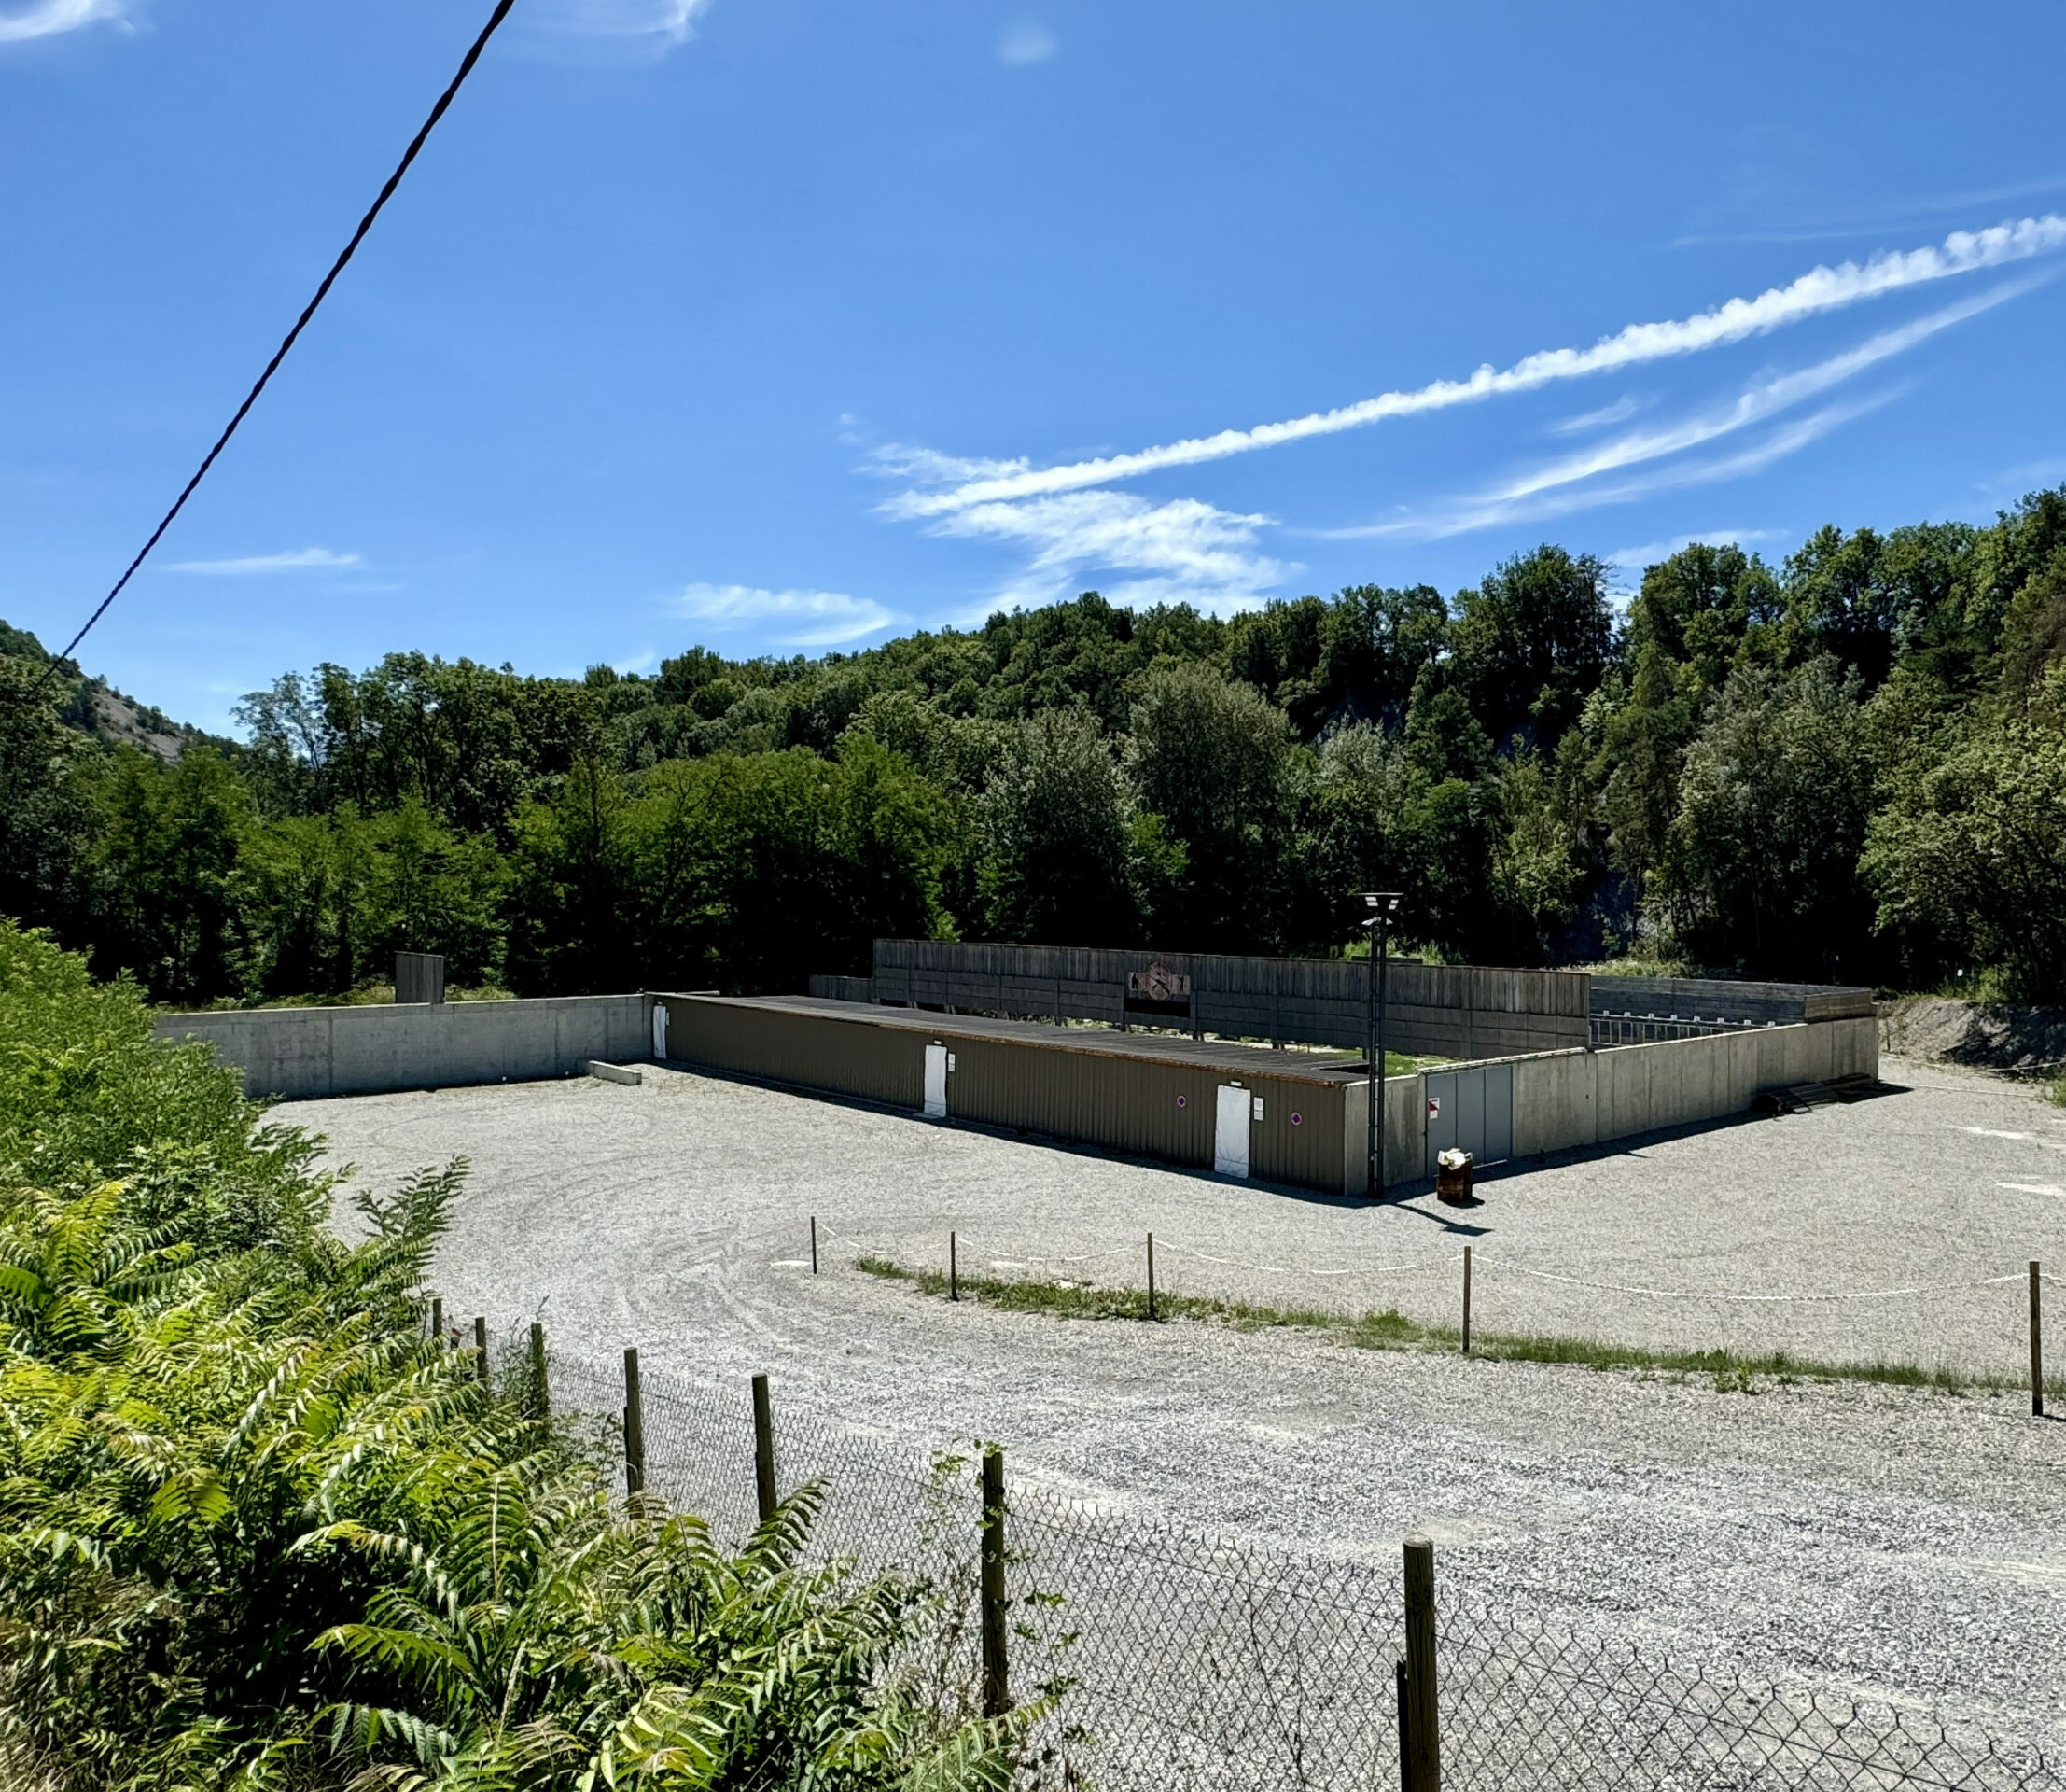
[{"x": 257, "y": 1532}]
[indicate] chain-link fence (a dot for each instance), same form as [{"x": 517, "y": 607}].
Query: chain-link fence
[
  {"x": 1527, "y": 1705},
  {"x": 1196, "y": 1662}
]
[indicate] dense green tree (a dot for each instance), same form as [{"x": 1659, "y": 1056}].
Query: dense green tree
[
  {"x": 1546, "y": 783},
  {"x": 1057, "y": 854},
  {"x": 1374, "y": 644},
  {"x": 748, "y": 871},
  {"x": 2034, "y": 634},
  {"x": 1060, "y": 655},
  {"x": 1539, "y": 863},
  {"x": 46, "y": 823},
  {"x": 168, "y": 866},
  {"x": 1969, "y": 858},
  {"x": 1445, "y": 739},
  {"x": 469, "y": 742},
  {"x": 2022, "y": 543},
  {"x": 1356, "y": 835},
  {"x": 1762, "y": 862},
  {"x": 1208, "y": 757},
  {"x": 1531, "y": 642},
  {"x": 1708, "y": 608}
]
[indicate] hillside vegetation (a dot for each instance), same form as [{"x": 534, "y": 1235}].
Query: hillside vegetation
[{"x": 1849, "y": 766}]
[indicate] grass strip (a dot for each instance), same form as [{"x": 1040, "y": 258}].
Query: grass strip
[{"x": 1391, "y": 1330}]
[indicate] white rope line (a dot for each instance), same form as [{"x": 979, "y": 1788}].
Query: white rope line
[
  {"x": 1282, "y": 1269},
  {"x": 1694, "y": 1293},
  {"x": 1483, "y": 1263},
  {"x": 1028, "y": 1256}
]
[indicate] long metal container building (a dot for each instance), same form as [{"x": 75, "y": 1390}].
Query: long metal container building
[{"x": 1281, "y": 1117}]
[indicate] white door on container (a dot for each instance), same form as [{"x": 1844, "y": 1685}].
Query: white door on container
[
  {"x": 936, "y": 1082},
  {"x": 1230, "y": 1134},
  {"x": 660, "y": 1031}
]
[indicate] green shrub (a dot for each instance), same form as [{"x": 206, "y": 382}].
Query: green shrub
[{"x": 257, "y": 1529}]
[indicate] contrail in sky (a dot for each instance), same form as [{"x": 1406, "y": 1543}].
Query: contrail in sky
[{"x": 1821, "y": 290}]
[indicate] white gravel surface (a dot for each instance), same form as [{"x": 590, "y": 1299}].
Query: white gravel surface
[{"x": 1866, "y": 1537}]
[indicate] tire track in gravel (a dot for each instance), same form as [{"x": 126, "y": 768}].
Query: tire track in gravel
[{"x": 1867, "y": 1536}]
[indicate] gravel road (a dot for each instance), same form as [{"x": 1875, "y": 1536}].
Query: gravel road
[{"x": 1855, "y": 1536}]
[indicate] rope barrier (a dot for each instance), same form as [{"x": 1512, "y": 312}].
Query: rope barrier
[
  {"x": 1694, "y": 1293},
  {"x": 1284, "y": 1269},
  {"x": 1483, "y": 1263}
]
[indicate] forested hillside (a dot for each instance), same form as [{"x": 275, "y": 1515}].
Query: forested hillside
[{"x": 1849, "y": 766}]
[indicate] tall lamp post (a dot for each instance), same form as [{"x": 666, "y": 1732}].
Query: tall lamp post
[{"x": 1383, "y": 904}]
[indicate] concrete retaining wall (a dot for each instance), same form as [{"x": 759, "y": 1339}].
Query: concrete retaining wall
[
  {"x": 299, "y": 1053},
  {"x": 1568, "y": 1100}
]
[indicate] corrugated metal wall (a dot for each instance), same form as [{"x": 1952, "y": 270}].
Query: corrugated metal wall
[
  {"x": 1139, "y": 1106},
  {"x": 813, "y": 1051},
  {"x": 1132, "y": 1105},
  {"x": 1432, "y": 1010}
]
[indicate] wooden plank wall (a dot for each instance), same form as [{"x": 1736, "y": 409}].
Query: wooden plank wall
[
  {"x": 1432, "y": 1010},
  {"x": 1717, "y": 999}
]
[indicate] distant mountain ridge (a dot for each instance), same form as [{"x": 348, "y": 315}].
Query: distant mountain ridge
[{"x": 97, "y": 709}]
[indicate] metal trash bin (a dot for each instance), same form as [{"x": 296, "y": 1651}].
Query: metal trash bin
[{"x": 1452, "y": 1177}]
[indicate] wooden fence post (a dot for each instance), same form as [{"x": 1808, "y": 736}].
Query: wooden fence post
[
  {"x": 1150, "y": 1275},
  {"x": 1466, "y": 1300},
  {"x": 438, "y": 1317},
  {"x": 764, "y": 1449},
  {"x": 481, "y": 1347},
  {"x": 541, "y": 1407},
  {"x": 2037, "y": 1345},
  {"x": 1423, "y": 1728},
  {"x": 996, "y": 1686},
  {"x": 635, "y": 1425},
  {"x": 954, "y": 1267}
]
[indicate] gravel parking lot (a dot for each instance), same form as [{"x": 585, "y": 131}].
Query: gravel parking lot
[{"x": 1861, "y": 1536}]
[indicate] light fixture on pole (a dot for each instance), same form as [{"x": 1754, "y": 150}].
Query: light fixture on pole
[{"x": 1383, "y": 904}]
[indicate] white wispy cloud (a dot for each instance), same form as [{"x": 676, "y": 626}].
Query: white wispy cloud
[
  {"x": 1183, "y": 551},
  {"x": 1026, "y": 43},
  {"x": 928, "y": 466},
  {"x": 295, "y": 560},
  {"x": 1525, "y": 496},
  {"x": 48, "y": 18},
  {"x": 1542, "y": 506},
  {"x": 1648, "y": 553},
  {"x": 1820, "y": 291},
  {"x": 1762, "y": 400},
  {"x": 786, "y": 618},
  {"x": 1618, "y": 411},
  {"x": 1917, "y": 212},
  {"x": 644, "y": 26}
]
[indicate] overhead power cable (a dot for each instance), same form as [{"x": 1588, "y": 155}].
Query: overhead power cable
[{"x": 300, "y": 323}]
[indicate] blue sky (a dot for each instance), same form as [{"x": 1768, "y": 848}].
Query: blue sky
[{"x": 779, "y": 326}]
